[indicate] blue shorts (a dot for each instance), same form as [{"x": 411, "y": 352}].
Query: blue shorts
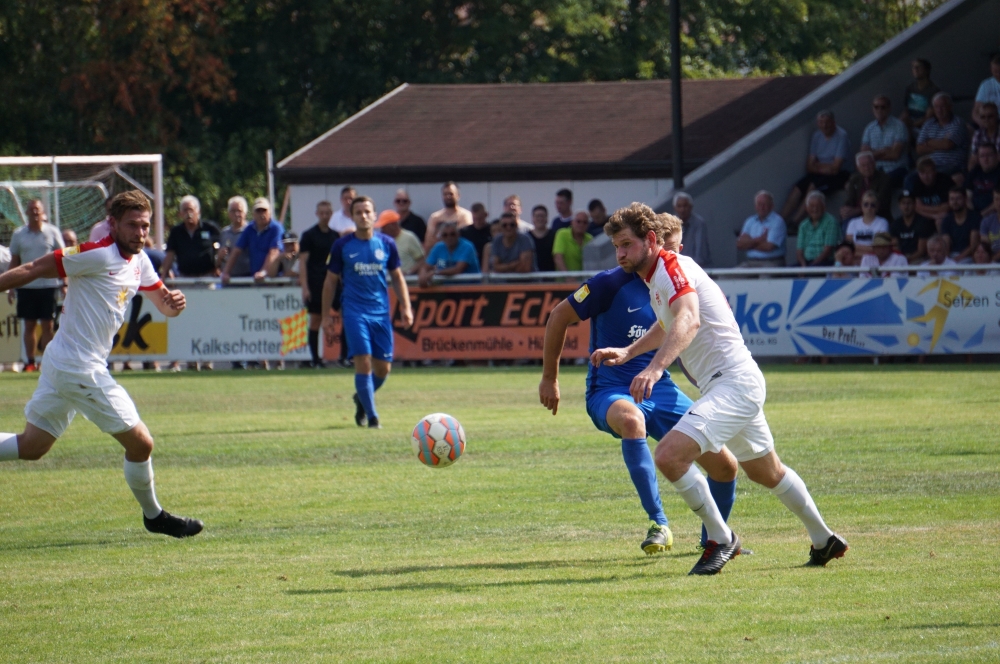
[
  {"x": 369, "y": 335},
  {"x": 662, "y": 409}
]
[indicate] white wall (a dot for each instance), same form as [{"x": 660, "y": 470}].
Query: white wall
[{"x": 426, "y": 197}]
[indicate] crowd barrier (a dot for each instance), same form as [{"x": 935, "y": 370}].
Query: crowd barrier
[{"x": 893, "y": 313}]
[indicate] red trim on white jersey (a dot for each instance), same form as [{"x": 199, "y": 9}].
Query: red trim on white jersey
[
  {"x": 674, "y": 271},
  {"x": 157, "y": 286},
  {"x": 58, "y": 253},
  {"x": 79, "y": 249}
]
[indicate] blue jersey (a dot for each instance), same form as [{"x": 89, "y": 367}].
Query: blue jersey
[
  {"x": 364, "y": 265},
  {"x": 617, "y": 305}
]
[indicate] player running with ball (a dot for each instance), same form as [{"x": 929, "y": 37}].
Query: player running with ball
[
  {"x": 697, "y": 326},
  {"x": 102, "y": 279}
]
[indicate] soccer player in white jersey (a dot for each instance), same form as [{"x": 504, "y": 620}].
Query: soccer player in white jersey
[
  {"x": 102, "y": 277},
  {"x": 697, "y": 326}
]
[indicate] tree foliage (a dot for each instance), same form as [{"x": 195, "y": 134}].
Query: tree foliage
[{"x": 214, "y": 83}]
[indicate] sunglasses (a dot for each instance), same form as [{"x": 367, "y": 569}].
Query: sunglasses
[
  {"x": 402, "y": 200},
  {"x": 508, "y": 226}
]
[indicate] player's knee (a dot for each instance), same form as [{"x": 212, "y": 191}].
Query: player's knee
[
  {"x": 633, "y": 425},
  {"x": 666, "y": 458}
]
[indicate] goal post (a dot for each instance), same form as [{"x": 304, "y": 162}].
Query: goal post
[{"x": 73, "y": 189}]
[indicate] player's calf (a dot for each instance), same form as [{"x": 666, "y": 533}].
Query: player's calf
[{"x": 31, "y": 445}]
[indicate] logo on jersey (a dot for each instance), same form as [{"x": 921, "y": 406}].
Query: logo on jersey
[
  {"x": 122, "y": 298},
  {"x": 367, "y": 269},
  {"x": 379, "y": 255},
  {"x": 632, "y": 311},
  {"x": 659, "y": 300},
  {"x": 582, "y": 293},
  {"x": 636, "y": 332}
]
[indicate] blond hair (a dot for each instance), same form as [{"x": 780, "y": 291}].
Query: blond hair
[{"x": 637, "y": 217}]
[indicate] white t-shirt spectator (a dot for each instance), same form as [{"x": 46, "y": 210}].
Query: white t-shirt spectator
[
  {"x": 942, "y": 273},
  {"x": 4, "y": 258},
  {"x": 864, "y": 233},
  {"x": 894, "y": 260},
  {"x": 341, "y": 223},
  {"x": 101, "y": 230}
]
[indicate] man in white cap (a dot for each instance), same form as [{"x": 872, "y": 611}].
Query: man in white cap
[{"x": 261, "y": 241}]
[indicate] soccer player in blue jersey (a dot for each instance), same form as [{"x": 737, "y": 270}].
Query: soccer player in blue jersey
[
  {"x": 366, "y": 261},
  {"x": 617, "y": 304}
]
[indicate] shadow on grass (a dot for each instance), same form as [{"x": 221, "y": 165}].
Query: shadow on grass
[
  {"x": 954, "y": 625},
  {"x": 470, "y": 587},
  {"x": 10, "y": 546},
  {"x": 515, "y": 566}
]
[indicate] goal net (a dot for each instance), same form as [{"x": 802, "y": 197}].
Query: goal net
[{"x": 73, "y": 190}]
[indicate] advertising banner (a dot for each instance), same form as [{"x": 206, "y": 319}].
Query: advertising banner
[{"x": 10, "y": 332}]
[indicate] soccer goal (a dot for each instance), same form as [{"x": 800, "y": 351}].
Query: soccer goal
[{"x": 73, "y": 189}]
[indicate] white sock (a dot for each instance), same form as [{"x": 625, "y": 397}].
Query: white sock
[
  {"x": 693, "y": 488},
  {"x": 139, "y": 477},
  {"x": 8, "y": 447},
  {"x": 794, "y": 495}
]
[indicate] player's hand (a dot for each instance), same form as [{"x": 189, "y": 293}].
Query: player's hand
[
  {"x": 305, "y": 295},
  {"x": 642, "y": 384},
  {"x": 329, "y": 331},
  {"x": 175, "y": 300},
  {"x": 259, "y": 276},
  {"x": 10, "y": 296},
  {"x": 406, "y": 317},
  {"x": 609, "y": 356},
  {"x": 548, "y": 393}
]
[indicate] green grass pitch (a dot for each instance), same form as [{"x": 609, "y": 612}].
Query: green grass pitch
[{"x": 325, "y": 542}]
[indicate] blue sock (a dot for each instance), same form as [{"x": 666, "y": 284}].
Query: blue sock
[
  {"x": 640, "y": 466},
  {"x": 366, "y": 393},
  {"x": 724, "y": 494},
  {"x": 378, "y": 381}
]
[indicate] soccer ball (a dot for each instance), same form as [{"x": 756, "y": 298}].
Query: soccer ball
[{"x": 438, "y": 440}]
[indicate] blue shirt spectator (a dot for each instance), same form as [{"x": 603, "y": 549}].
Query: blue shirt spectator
[
  {"x": 258, "y": 243},
  {"x": 441, "y": 257},
  {"x": 764, "y": 227},
  {"x": 828, "y": 149}
]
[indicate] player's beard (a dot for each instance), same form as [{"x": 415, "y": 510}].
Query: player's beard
[{"x": 125, "y": 249}]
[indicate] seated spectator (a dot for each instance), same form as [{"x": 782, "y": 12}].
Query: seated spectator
[
  {"x": 694, "y": 230},
  {"x": 408, "y": 246},
  {"x": 930, "y": 189},
  {"x": 512, "y": 204},
  {"x": 479, "y": 233},
  {"x": 886, "y": 138},
  {"x": 260, "y": 241},
  {"x": 598, "y": 217},
  {"x": 843, "y": 257},
  {"x": 564, "y": 210},
  {"x": 819, "y": 233},
  {"x": 191, "y": 243},
  {"x": 543, "y": 237},
  {"x": 918, "y": 95},
  {"x": 961, "y": 225},
  {"x": 511, "y": 251},
  {"x": 989, "y": 228},
  {"x": 943, "y": 138},
  {"x": 568, "y": 244},
  {"x": 882, "y": 254},
  {"x": 407, "y": 219},
  {"x": 989, "y": 90},
  {"x": 763, "y": 234},
  {"x": 236, "y": 209},
  {"x": 867, "y": 178},
  {"x": 983, "y": 255},
  {"x": 911, "y": 230},
  {"x": 450, "y": 256},
  {"x": 937, "y": 254},
  {"x": 983, "y": 179},
  {"x": 987, "y": 134},
  {"x": 69, "y": 237},
  {"x": 862, "y": 230},
  {"x": 829, "y": 154},
  {"x": 288, "y": 264}
]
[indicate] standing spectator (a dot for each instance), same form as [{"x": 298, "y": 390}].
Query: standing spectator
[
  {"x": 961, "y": 225},
  {"x": 191, "y": 243},
  {"x": 598, "y": 217},
  {"x": 694, "y": 230},
  {"x": 829, "y": 153},
  {"x": 407, "y": 219},
  {"x": 411, "y": 252},
  {"x": 450, "y": 256},
  {"x": 882, "y": 254},
  {"x": 989, "y": 90},
  {"x": 236, "y": 209},
  {"x": 156, "y": 256},
  {"x": 4, "y": 258},
  {"x": 512, "y": 250},
  {"x": 911, "y": 230},
  {"x": 341, "y": 221},
  {"x": 943, "y": 138},
  {"x": 600, "y": 253},
  {"x": 983, "y": 179},
  {"x": 918, "y": 95},
  {"x": 452, "y": 213},
  {"x": 763, "y": 234},
  {"x": 288, "y": 263},
  {"x": 929, "y": 189},
  {"x": 568, "y": 244},
  {"x": 989, "y": 229},
  {"x": 543, "y": 237},
  {"x": 69, "y": 237},
  {"x": 314, "y": 250},
  {"x": 102, "y": 229},
  {"x": 886, "y": 138},
  {"x": 862, "y": 230},
  {"x": 819, "y": 233},
  {"x": 480, "y": 233},
  {"x": 867, "y": 178},
  {"x": 937, "y": 254},
  {"x": 564, "y": 210},
  {"x": 512, "y": 204},
  {"x": 261, "y": 241},
  {"x": 988, "y": 132},
  {"x": 36, "y": 301}
]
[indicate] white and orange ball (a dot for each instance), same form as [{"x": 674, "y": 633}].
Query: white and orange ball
[{"x": 438, "y": 440}]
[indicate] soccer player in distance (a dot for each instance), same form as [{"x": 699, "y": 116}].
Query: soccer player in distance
[
  {"x": 102, "y": 277},
  {"x": 617, "y": 304},
  {"x": 697, "y": 326},
  {"x": 366, "y": 261}
]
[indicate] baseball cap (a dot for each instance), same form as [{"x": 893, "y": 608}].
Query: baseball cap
[
  {"x": 261, "y": 204},
  {"x": 290, "y": 236},
  {"x": 882, "y": 240},
  {"x": 906, "y": 193},
  {"x": 387, "y": 217}
]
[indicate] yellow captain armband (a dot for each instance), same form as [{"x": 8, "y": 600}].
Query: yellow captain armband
[{"x": 581, "y": 294}]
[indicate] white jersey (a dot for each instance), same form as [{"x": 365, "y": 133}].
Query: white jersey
[
  {"x": 100, "y": 286},
  {"x": 718, "y": 346}
]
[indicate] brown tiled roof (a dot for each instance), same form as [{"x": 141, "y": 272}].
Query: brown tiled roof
[{"x": 540, "y": 130}]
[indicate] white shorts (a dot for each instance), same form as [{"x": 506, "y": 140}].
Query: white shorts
[
  {"x": 731, "y": 414},
  {"x": 95, "y": 395}
]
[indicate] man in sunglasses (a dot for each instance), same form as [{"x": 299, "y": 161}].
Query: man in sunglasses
[
  {"x": 886, "y": 138},
  {"x": 452, "y": 255},
  {"x": 511, "y": 250},
  {"x": 407, "y": 219}
]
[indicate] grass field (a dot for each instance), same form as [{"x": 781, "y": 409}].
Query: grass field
[{"x": 324, "y": 542}]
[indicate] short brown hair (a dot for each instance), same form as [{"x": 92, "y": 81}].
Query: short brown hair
[
  {"x": 361, "y": 199},
  {"x": 639, "y": 218},
  {"x": 127, "y": 201}
]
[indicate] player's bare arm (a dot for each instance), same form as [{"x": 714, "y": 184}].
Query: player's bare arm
[
  {"x": 168, "y": 302},
  {"x": 234, "y": 254},
  {"x": 682, "y": 331},
  {"x": 402, "y": 296},
  {"x": 329, "y": 289},
  {"x": 41, "y": 268},
  {"x": 555, "y": 338},
  {"x": 270, "y": 268}
]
